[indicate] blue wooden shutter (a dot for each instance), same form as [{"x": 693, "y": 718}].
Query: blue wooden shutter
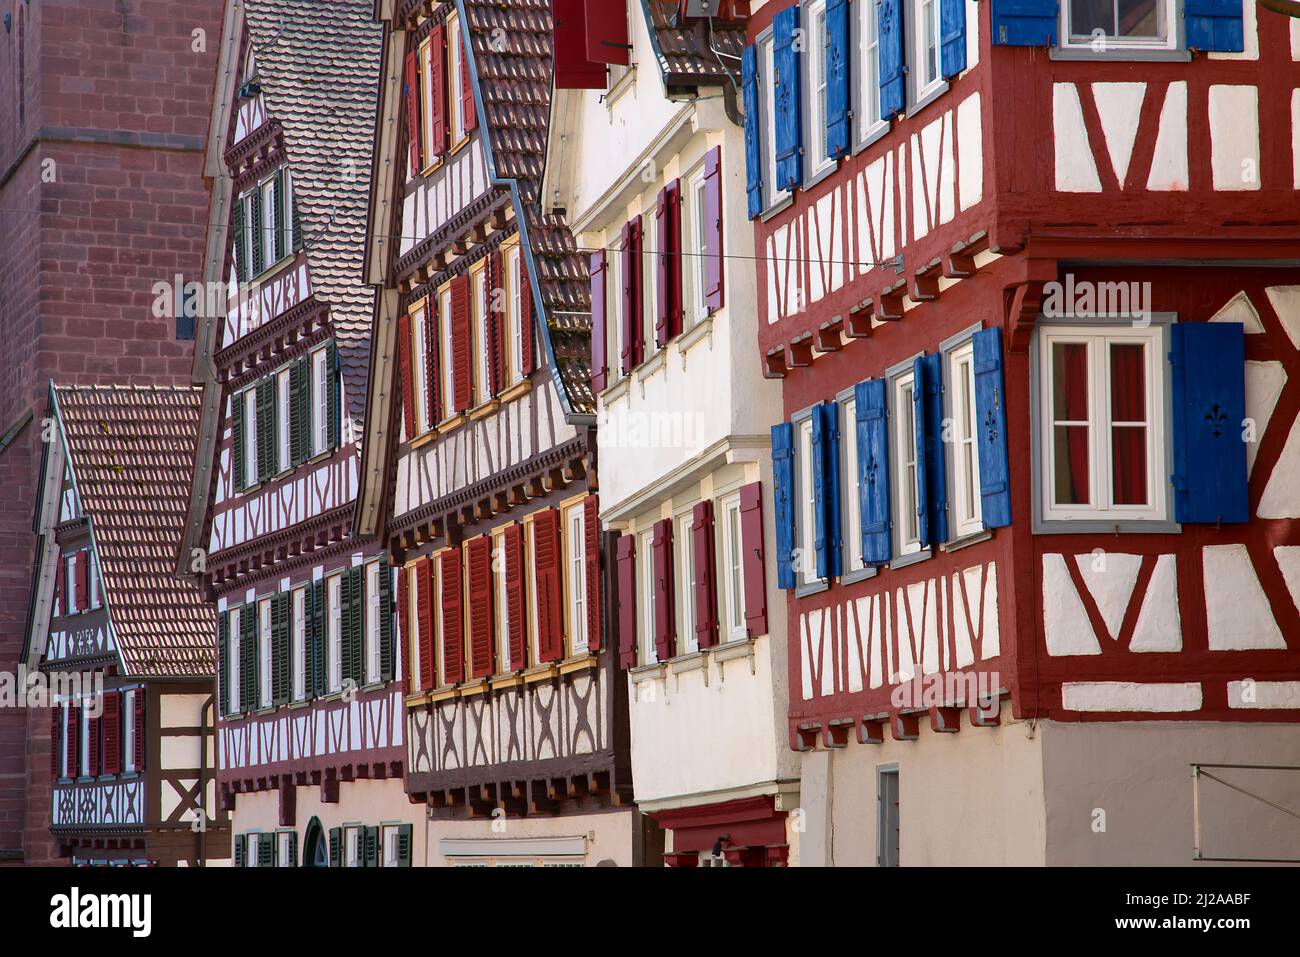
[
  {"x": 789, "y": 123},
  {"x": 783, "y": 501},
  {"x": 918, "y": 442},
  {"x": 1209, "y": 404},
  {"x": 818, "y": 489},
  {"x": 753, "y": 150},
  {"x": 1024, "y": 23},
  {"x": 889, "y": 29},
  {"x": 936, "y": 473},
  {"x": 830, "y": 412},
  {"x": 837, "y": 78},
  {"x": 873, "y": 470},
  {"x": 991, "y": 428},
  {"x": 1214, "y": 25},
  {"x": 952, "y": 37}
]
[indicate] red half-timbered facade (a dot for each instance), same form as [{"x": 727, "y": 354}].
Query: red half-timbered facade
[
  {"x": 1028, "y": 281},
  {"x": 120, "y": 646},
  {"x": 480, "y": 462},
  {"x": 310, "y": 747}
]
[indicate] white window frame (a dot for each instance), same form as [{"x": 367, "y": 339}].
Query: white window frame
[
  {"x": 371, "y": 633},
  {"x": 1098, "y": 338},
  {"x": 283, "y": 858},
  {"x": 614, "y": 311},
  {"x": 919, "y": 48},
  {"x": 70, "y": 582},
  {"x": 687, "y": 641},
  {"x": 264, "y": 651},
  {"x": 697, "y": 254},
  {"x": 251, "y": 471},
  {"x": 903, "y": 491},
  {"x": 233, "y": 662},
  {"x": 965, "y": 510},
  {"x": 772, "y": 197},
  {"x": 518, "y": 282},
  {"x": 455, "y": 105},
  {"x": 732, "y": 571},
  {"x": 298, "y": 608},
  {"x": 478, "y": 306},
  {"x": 530, "y": 556},
  {"x": 816, "y": 160},
  {"x": 320, "y": 388},
  {"x": 334, "y": 629},
  {"x": 850, "y": 494},
  {"x": 426, "y": 104},
  {"x": 1169, "y": 14},
  {"x": 648, "y": 307},
  {"x": 354, "y": 846},
  {"x": 270, "y": 222},
  {"x": 129, "y": 731},
  {"x": 284, "y": 449},
  {"x": 389, "y": 838},
  {"x": 575, "y": 540},
  {"x": 448, "y": 366},
  {"x": 92, "y": 580},
  {"x": 867, "y": 121},
  {"x": 501, "y": 603},
  {"x": 806, "y": 578},
  {"x": 420, "y": 359},
  {"x": 646, "y": 597}
]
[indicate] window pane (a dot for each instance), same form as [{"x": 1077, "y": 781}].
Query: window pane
[
  {"x": 1137, "y": 18},
  {"x": 1070, "y": 381},
  {"x": 1129, "y": 464},
  {"x": 1127, "y": 382},
  {"x": 1089, "y": 15},
  {"x": 1070, "y": 405},
  {"x": 1072, "y": 465}
]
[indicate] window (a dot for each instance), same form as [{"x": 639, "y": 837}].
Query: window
[
  {"x": 646, "y": 597},
  {"x": 1102, "y": 447},
  {"x": 70, "y": 582},
  {"x": 455, "y": 103},
  {"x": 334, "y": 590},
  {"x": 687, "y": 640},
  {"x": 925, "y": 51},
  {"x": 413, "y": 626},
  {"x": 352, "y": 846},
  {"x": 92, "y": 580},
  {"x": 249, "y": 398},
  {"x": 250, "y": 204},
  {"x": 696, "y": 255},
  {"x": 264, "y": 650},
  {"x": 426, "y": 103},
  {"x": 270, "y": 222},
  {"x": 576, "y": 580},
  {"x": 300, "y": 643},
  {"x": 448, "y": 366},
  {"x": 614, "y": 310},
  {"x": 372, "y": 636},
  {"x": 500, "y": 600},
  {"x": 323, "y": 396},
  {"x": 767, "y": 129},
  {"x": 420, "y": 365},
  {"x": 129, "y": 731},
  {"x": 649, "y": 282},
  {"x": 435, "y": 602},
  {"x": 282, "y": 416},
  {"x": 1103, "y": 25},
  {"x": 963, "y": 450},
  {"x": 84, "y": 738},
  {"x": 284, "y": 850},
  {"x": 233, "y": 662},
  {"x": 391, "y": 844},
  {"x": 732, "y": 578},
  {"x": 850, "y": 501},
  {"x": 867, "y": 72},
  {"x": 815, "y": 85},
  {"x": 907, "y": 531},
  {"x": 478, "y": 322},
  {"x": 806, "y": 549},
  {"x": 887, "y": 819},
  {"x": 515, "y": 299}
]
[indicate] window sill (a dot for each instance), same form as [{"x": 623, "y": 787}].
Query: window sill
[
  {"x": 859, "y": 575},
  {"x": 515, "y": 391},
  {"x": 432, "y": 167},
  {"x": 877, "y": 131},
  {"x": 965, "y": 541},
  {"x": 824, "y": 173},
  {"x": 1121, "y": 55},
  {"x": 445, "y": 693},
  {"x": 540, "y": 673},
  {"x": 703, "y": 329},
  {"x": 501, "y": 682},
  {"x": 733, "y": 649},
  {"x": 811, "y": 588},
  {"x": 643, "y": 673},
  {"x": 1058, "y": 526},
  {"x": 621, "y": 86},
  {"x": 902, "y": 561},
  {"x": 451, "y": 423},
  {"x": 483, "y": 410},
  {"x": 476, "y": 686},
  {"x": 927, "y": 97},
  {"x": 778, "y": 207},
  {"x": 423, "y": 439},
  {"x": 459, "y": 145},
  {"x": 649, "y": 367},
  {"x": 616, "y": 391},
  {"x": 267, "y": 271},
  {"x": 417, "y": 698},
  {"x": 691, "y": 661},
  {"x": 585, "y": 662}
]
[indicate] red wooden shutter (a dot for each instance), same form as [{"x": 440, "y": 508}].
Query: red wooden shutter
[
  {"x": 461, "y": 344},
  {"x": 453, "y": 646},
  {"x": 433, "y": 320},
  {"x": 404, "y": 370},
  {"x": 424, "y": 621},
  {"x": 627, "y": 601},
  {"x": 573, "y": 71},
  {"x": 413, "y": 111},
  {"x": 713, "y": 229},
  {"x": 72, "y": 767},
  {"x": 56, "y": 716},
  {"x": 92, "y": 746},
  {"x": 633, "y": 347},
  {"x": 705, "y": 597},
  {"x": 515, "y": 597},
  {"x": 112, "y": 719},
  {"x": 437, "y": 91},
  {"x": 752, "y": 562},
  {"x": 138, "y": 698},
  {"x": 496, "y": 320},
  {"x": 591, "y": 551},
  {"x": 668, "y": 263},
  {"x": 466, "y": 90},
  {"x": 550, "y": 610},
  {"x": 598, "y": 321},
  {"x": 61, "y": 584},
  {"x": 607, "y": 40},
  {"x": 665, "y": 620},
  {"x": 83, "y": 579},
  {"x": 478, "y": 555},
  {"x": 527, "y": 349}
]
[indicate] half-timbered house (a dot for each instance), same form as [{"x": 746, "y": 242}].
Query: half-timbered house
[
  {"x": 121, "y": 647},
  {"x": 1026, "y": 274},
  {"x": 653, "y": 90},
  {"x": 310, "y": 735},
  {"x": 479, "y": 467}
]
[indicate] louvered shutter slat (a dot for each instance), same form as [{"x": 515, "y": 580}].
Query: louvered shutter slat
[
  {"x": 413, "y": 112},
  {"x": 627, "y": 643},
  {"x": 935, "y": 492},
  {"x": 255, "y": 209},
  {"x": 661, "y": 545},
  {"x": 819, "y": 478},
  {"x": 404, "y": 371},
  {"x": 663, "y": 270},
  {"x": 404, "y": 832},
  {"x": 783, "y": 504},
  {"x": 266, "y": 429},
  {"x": 591, "y": 553},
  {"x": 705, "y": 597},
  {"x": 248, "y": 700},
  {"x": 336, "y": 847},
  {"x": 141, "y": 731},
  {"x": 277, "y": 203},
  {"x": 238, "y": 239},
  {"x": 514, "y": 540},
  {"x": 281, "y": 657},
  {"x": 433, "y": 320},
  {"x": 92, "y": 747},
  {"x": 479, "y": 560},
  {"x": 752, "y": 559},
  {"x": 453, "y": 648},
  {"x": 461, "y": 344},
  {"x": 316, "y": 660},
  {"x": 597, "y": 271}
]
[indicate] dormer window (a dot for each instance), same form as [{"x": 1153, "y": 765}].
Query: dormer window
[
  {"x": 1102, "y": 26},
  {"x": 264, "y": 227}
]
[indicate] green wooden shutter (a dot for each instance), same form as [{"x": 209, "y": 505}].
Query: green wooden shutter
[
  {"x": 241, "y": 843},
  {"x": 317, "y": 646},
  {"x": 255, "y": 209},
  {"x": 404, "y": 845},
  {"x": 336, "y": 847},
  {"x": 353, "y": 645},
  {"x": 281, "y": 680},
  {"x": 332, "y": 364},
  {"x": 266, "y": 429},
  {"x": 371, "y": 836},
  {"x": 266, "y": 850},
  {"x": 293, "y": 848},
  {"x": 386, "y": 649},
  {"x": 300, "y": 411},
  {"x": 238, "y": 453},
  {"x": 248, "y": 658},
  {"x": 241, "y": 260},
  {"x": 294, "y": 218},
  {"x": 223, "y": 662},
  {"x": 281, "y": 221}
]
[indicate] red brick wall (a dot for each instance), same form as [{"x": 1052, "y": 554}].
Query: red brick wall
[{"x": 114, "y": 103}]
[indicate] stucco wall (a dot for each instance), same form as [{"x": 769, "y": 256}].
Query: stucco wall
[{"x": 609, "y": 835}]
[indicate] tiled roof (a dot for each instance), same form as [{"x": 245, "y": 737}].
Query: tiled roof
[
  {"x": 687, "y": 54},
  {"x": 131, "y": 450},
  {"x": 319, "y": 67},
  {"x": 515, "y": 81}
]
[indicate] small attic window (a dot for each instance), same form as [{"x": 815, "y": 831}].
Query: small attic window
[{"x": 718, "y": 9}]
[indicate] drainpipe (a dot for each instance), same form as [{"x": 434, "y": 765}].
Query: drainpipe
[{"x": 203, "y": 779}]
